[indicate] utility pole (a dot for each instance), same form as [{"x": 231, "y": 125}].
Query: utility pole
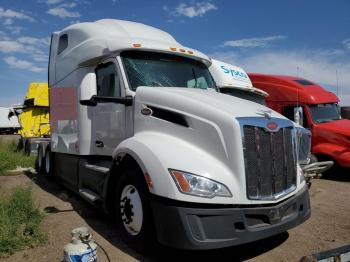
[
  {"x": 336, "y": 75},
  {"x": 297, "y": 71}
]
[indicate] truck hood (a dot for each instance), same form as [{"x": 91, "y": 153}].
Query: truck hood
[
  {"x": 341, "y": 127},
  {"x": 201, "y": 102},
  {"x": 199, "y": 124}
]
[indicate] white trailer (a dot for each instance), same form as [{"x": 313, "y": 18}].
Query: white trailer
[
  {"x": 139, "y": 128},
  {"x": 8, "y": 121}
]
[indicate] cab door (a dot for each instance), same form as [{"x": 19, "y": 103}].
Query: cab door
[{"x": 109, "y": 117}]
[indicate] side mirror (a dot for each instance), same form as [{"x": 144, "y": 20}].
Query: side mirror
[
  {"x": 88, "y": 89},
  {"x": 298, "y": 115}
]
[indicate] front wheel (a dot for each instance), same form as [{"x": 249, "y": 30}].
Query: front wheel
[{"x": 133, "y": 212}]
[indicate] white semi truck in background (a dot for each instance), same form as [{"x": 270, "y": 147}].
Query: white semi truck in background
[
  {"x": 8, "y": 121},
  {"x": 233, "y": 80},
  {"x": 139, "y": 128}
]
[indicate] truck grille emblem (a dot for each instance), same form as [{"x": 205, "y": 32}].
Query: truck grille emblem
[{"x": 272, "y": 126}]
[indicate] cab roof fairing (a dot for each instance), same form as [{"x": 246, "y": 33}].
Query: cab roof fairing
[
  {"x": 290, "y": 90},
  {"x": 93, "y": 41}
]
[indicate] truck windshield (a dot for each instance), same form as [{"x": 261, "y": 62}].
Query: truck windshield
[
  {"x": 158, "y": 69},
  {"x": 323, "y": 113}
]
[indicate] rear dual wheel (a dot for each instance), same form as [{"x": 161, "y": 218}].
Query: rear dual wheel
[
  {"x": 45, "y": 162},
  {"x": 39, "y": 164},
  {"x": 49, "y": 163}
]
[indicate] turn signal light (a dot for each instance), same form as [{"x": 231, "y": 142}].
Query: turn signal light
[
  {"x": 181, "y": 181},
  {"x": 148, "y": 180}
]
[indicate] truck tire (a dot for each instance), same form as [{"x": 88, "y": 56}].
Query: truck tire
[
  {"x": 27, "y": 147},
  {"x": 19, "y": 145},
  {"x": 40, "y": 160},
  {"x": 49, "y": 168},
  {"x": 133, "y": 212}
]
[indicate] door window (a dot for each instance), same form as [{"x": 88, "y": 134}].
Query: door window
[{"x": 108, "y": 82}]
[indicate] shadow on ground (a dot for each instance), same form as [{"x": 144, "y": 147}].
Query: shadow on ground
[
  {"x": 337, "y": 173},
  {"x": 103, "y": 224}
]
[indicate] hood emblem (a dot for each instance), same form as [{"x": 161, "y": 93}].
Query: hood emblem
[
  {"x": 272, "y": 126},
  {"x": 265, "y": 113}
]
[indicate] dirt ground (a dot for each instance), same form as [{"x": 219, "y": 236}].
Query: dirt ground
[{"x": 328, "y": 227}]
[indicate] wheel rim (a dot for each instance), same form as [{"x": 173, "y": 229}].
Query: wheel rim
[
  {"x": 47, "y": 162},
  {"x": 40, "y": 158},
  {"x": 131, "y": 210}
]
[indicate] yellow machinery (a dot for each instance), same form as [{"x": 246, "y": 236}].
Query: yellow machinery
[{"x": 35, "y": 117}]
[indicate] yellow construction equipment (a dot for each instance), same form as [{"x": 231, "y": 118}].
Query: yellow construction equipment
[{"x": 35, "y": 116}]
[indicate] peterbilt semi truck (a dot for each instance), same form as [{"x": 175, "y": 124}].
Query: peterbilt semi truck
[
  {"x": 320, "y": 113},
  {"x": 139, "y": 129}
]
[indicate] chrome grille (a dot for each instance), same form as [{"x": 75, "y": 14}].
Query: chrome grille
[
  {"x": 270, "y": 162},
  {"x": 304, "y": 142}
]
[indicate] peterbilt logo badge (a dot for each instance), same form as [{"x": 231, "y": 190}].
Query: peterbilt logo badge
[
  {"x": 272, "y": 126},
  {"x": 265, "y": 113}
]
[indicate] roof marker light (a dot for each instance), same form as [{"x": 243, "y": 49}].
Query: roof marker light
[
  {"x": 190, "y": 52},
  {"x": 182, "y": 50},
  {"x": 172, "y": 48},
  {"x": 136, "y": 45}
]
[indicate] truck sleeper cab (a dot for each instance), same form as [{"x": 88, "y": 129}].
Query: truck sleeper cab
[
  {"x": 320, "y": 113},
  {"x": 139, "y": 129}
]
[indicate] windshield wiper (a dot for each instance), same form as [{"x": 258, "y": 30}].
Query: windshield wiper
[{"x": 195, "y": 78}]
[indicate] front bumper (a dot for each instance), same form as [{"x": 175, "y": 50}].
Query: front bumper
[{"x": 209, "y": 227}]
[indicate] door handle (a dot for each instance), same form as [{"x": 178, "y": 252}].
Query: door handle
[{"x": 99, "y": 143}]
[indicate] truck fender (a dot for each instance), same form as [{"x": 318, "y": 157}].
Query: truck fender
[
  {"x": 330, "y": 150},
  {"x": 155, "y": 153}
]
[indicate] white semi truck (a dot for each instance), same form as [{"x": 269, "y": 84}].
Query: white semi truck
[
  {"x": 139, "y": 128},
  {"x": 8, "y": 121}
]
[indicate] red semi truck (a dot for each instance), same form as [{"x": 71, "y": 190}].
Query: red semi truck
[{"x": 314, "y": 108}]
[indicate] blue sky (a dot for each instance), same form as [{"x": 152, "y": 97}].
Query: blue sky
[{"x": 309, "y": 38}]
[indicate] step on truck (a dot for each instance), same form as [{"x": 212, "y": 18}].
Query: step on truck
[
  {"x": 139, "y": 129},
  {"x": 233, "y": 80},
  {"x": 318, "y": 111}
]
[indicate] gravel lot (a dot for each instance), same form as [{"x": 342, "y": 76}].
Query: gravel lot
[{"x": 328, "y": 227}]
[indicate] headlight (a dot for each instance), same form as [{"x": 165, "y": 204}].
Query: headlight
[
  {"x": 195, "y": 185},
  {"x": 304, "y": 145}
]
